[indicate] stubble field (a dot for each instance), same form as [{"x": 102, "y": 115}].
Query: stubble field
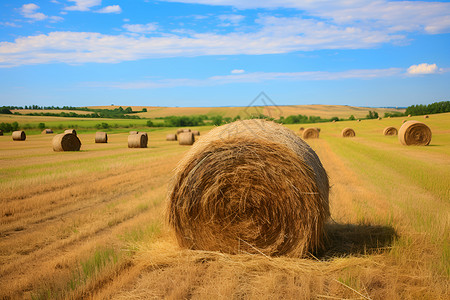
[{"x": 90, "y": 223}]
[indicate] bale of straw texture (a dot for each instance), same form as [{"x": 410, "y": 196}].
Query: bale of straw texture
[
  {"x": 390, "y": 131},
  {"x": 250, "y": 186},
  {"x": 196, "y": 132},
  {"x": 145, "y": 136},
  {"x": 414, "y": 133},
  {"x": 186, "y": 138},
  {"x": 66, "y": 142},
  {"x": 348, "y": 132},
  {"x": 101, "y": 137},
  {"x": 426, "y": 116},
  {"x": 137, "y": 140},
  {"x": 180, "y": 130},
  {"x": 72, "y": 131},
  {"x": 310, "y": 133},
  {"x": 19, "y": 135},
  {"x": 171, "y": 137},
  {"x": 134, "y": 132},
  {"x": 47, "y": 131}
]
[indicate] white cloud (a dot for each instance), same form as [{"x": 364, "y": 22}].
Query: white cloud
[
  {"x": 141, "y": 28},
  {"x": 237, "y": 71},
  {"x": 83, "y": 5},
  {"x": 232, "y": 20},
  {"x": 30, "y": 11},
  {"x": 424, "y": 68},
  {"x": 112, "y": 9},
  {"x": 10, "y": 24}
]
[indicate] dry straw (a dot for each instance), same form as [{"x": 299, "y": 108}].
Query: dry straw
[
  {"x": 310, "y": 133},
  {"x": 348, "y": 132},
  {"x": 186, "y": 138},
  {"x": 101, "y": 137},
  {"x": 171, "y": 137},
  {"x": 390, "y": 131},
  {"x": 250, "y": 186},
  {"x": 139, "y": 140},
  {"x": 72, "y": 131},
  {"x": 414, "y": 133},
  {"x": 66, "y": 142},
  {"x": 47, "y": 131},
  {"x": 19, "y": 135}
]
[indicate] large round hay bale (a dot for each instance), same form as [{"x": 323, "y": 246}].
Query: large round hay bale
[
  {"x": 101, "y": 137},
  {"x": 139, "y": 140},
  {"x": 414, "y": 133},
  {"x": 66, "y": 142},
  {"x": 348, "y": 132},
  {"x": 134, "y": 132},
  {"x": 390, "y": 131},
  {"x": 72, "y": 131},
  {"x": 47, "y": 131},
  {"x": 171, "y": 137},
  {"x": 19, "y": 135},
  {"x": 186, "y": 138},
  {"x": 251, "y": 186},
  {"x": 196, "y": 132},
  {"x": 310, "y": 133}
]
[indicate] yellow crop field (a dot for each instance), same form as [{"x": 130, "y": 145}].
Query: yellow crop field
[{"x": 90, "y": 224}]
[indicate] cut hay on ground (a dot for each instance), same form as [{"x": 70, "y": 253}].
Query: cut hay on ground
[
  {"x": 348, "y": 132},
  {"x": 171, "y": 137},
  {"x": 19, "y": 135},
  {"x": 414, "y": 133},
  {"x": 139, "y": 140},
  {"x": 101, "y": 137},
  {"x": 251, "y": 186},
  {"x": 186, "y": 138},
  {"x": 47, "y": 131},
  {"x": 390, "y": 131},
  {"x": 66, "y": 142},
  {"x": 310, "y": 133},
  {"x": 196, "y": 132},
  {"x": 72, "y": 131}
]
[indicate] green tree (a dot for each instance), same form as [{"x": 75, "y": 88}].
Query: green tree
[{"x": 41, "y": 126}]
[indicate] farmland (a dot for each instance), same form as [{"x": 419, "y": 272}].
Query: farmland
[{"x": 90, "y": 223}]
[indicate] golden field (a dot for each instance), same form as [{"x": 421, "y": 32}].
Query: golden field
[{"x": 90, "y": 224}]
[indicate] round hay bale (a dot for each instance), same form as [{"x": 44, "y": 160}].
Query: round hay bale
[
  {"x": 196, "y": 132},
  {"x": 139, "y": 140},
  {"x": 310, "y": 133},
  {"x": 301, "y": 129},
  {"x": 409, "y": 116},
  {"x": 348, "y": 132},
  {"x": 251, "y": 186},
  {"x": 426, "y": 116},
  {"x": 390, "y": 131},
  {"x": 186, "y": 138},
  {"x": 72, "y": 131},
  {"x": 134, "y": 132},
  {"x": 66, "y": 142},
  {"x": 334, "y": 121},
  {"x": 171, "y": 137},
  {"x": 101, "y": 137},
  {"x": 145, "y": 136},
  {"x": 1, "y": 132},
  {"x": 19, "y": 135},
  {"x": 414, "y": 133},
  {"x": 47, "y": 131},
  {"x": 180, "y": 130},
  {"x": 359, "y": 120}
]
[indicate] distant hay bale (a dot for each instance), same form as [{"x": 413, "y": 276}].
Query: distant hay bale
[
  {"x": 66, "y": 142},
  {"x": 310, "y": 133},
  {"x": 390, "y": 131},
  {"x": 334, "y": 121},
  {"x": 196, "y": 132},
  {"x": 19, "y": 135},
  {"x": 186, "y": 138},
  {"x": 1, "y": 132},
  {"x": 426, "y": 116},
  {"x": 414, "y": 133},
  {"x": 139, "y": 140},
  {"x": 171, "y": 137},
  {"x": 348, "y": 132},
  {"x": 359, "y": 120},
  {"x": 72, "y": 131},
  {"x": 409, "y": 116},
  {"x": 180, "y": 130},
  {"x": 251, "y": 186},
  {"x": 47, "y": 131},
  {"x": 301, "y": 129},
  {"x": 101, "y": 137},
  {"x": 134, "y": 132}
]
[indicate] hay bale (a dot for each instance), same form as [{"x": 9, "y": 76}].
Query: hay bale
[
  {"x": 426, "y": 116},
  {"x": 66, "y": 142},
  {"x": 186, "y": 138},
  {"x": 139, "y": 140},
  {"x": 101, "y": 137},
  {"x": 409, "y": 116},
  {"x": 414, "y": 133},
  {"x": 310, "y": 133},
  {"x": 47, "y": 131},
  {"x": 359, "y": 120},
  {"x": 1, "y": 132},
  {"x": 19, "y": 135},
  {"x": 251, "y": 186},
  {"x": 72, "y": 131},
  {"x": 348, "y": 132},
  {"x": 196, "y": 132},
  {"x": 390, "y": 131},
  {"x": 180, "y": 130},
  {"x": 301, "y": 129},
  {"x": 134, "y": 132},
  {"x": 171, "y": 137},
  {"x": 145, "y": 136}
]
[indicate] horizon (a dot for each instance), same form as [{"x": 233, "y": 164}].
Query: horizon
[{"x": 224, "y": 53}]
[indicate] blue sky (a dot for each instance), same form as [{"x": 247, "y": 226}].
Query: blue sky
[{"x": 224, "y": 52}]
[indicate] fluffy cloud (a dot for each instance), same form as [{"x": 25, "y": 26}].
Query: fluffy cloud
[
  {"x": 237, "y": 71},
  {"x": 83, "y": 5},
  {"x": 424, "y": 68},
  {"x": 141, "y": 28},
  {"x": 112, "y": 9},
  {"x": 231, "y": 20},
  {"x": 30, "y": 11}
]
